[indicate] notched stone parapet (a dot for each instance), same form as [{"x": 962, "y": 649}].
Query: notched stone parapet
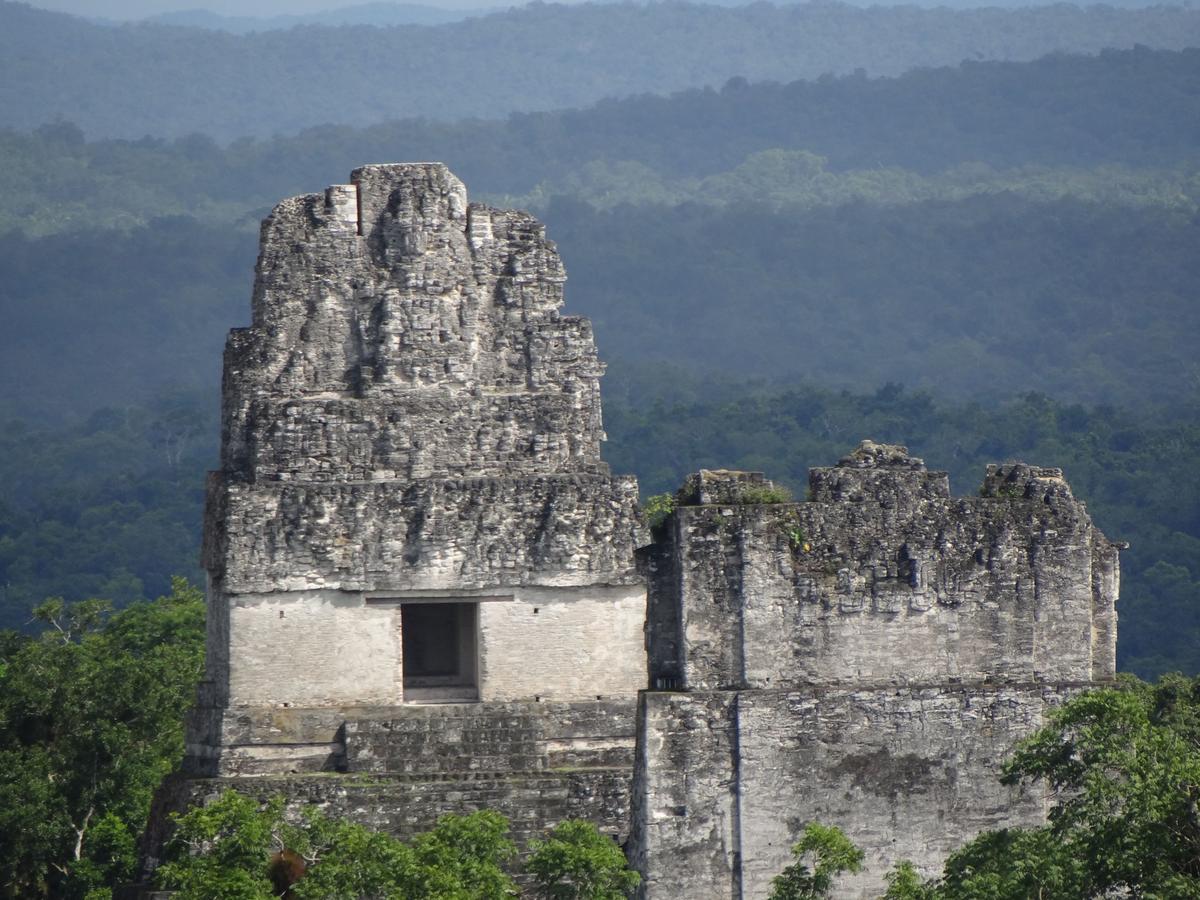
[
  {"x": 864, "y": 658},
  {"x": 882, "y": 578},
  {"x": 1018, "y": 481},
  {"x": 883, "y": 473},
  {"x": 709, "y": 486},
  {"x": 870, "y": 455}
]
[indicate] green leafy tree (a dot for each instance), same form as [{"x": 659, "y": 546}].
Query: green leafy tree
[
  {"x": 473, "y": 849},
  {"x": 1123, "y": 767},
  {"x": 830, "y": 852},
  {"x": 657, "y": 509},
  {"x": 91, "y": 715},
  {"x": 1012, "y": 863},
  {"x": 339, "y": 860},
  {"x": 235, "y": 848},
  {"x": 577, "y": 862},
  {"x": 222, "y": 850},
  {"x": 905, "y": 883}
]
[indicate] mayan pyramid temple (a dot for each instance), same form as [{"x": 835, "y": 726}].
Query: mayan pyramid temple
[{"x": 428, "y": 594}]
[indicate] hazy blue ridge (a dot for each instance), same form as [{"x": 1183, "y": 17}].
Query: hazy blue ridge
[
  {"x": 377, "y": 14},
  {"x": 134, "y": 80},
  {"x": 1119, "y": 128},
  {"x": 983, "y": 297}
]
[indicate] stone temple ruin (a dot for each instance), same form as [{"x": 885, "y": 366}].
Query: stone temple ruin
[{"x": 421, "y": 574}]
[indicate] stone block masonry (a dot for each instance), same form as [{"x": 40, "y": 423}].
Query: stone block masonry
[
  {"x": 422, "y": 592},
  {"x": 398, "y": 769},
  {"x": 411, "y": 505},
  {"x": 426, "y": 593},
  {"x": 864, "y": 659}
]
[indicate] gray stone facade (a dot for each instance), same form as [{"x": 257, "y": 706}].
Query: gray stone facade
[
  {"x": 421, "y": 573},
  {"x": 864, "y": 659},
  {"x": 422, "y": 576}
]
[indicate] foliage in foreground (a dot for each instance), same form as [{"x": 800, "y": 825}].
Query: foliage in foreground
[
  {"x": 1123, "y": 767},
  {"x": 235, "y": 848},
  {"x": 91, "y": 715},
  {"x": 577, "y": 862},
  {"x": 831, "y": 853}
]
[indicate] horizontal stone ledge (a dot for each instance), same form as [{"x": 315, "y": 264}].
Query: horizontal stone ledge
[{"x": 926, "y": 688}]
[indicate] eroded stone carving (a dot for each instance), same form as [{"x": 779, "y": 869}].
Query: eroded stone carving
[{"x": 410, "y": 458}]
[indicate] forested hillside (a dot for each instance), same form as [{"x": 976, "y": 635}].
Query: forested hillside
[
  {"x": 134, "y": 80},
  {"x": 1016, "y": 243},
  {"x": 1057, "y": 125},
  {"x": 983, "y": 297},
  {"x": 112, "y": 507},
  {"x": 374, "y": 13}
]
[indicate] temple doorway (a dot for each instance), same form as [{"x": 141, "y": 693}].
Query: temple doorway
[{"x": 440, "y": 652}]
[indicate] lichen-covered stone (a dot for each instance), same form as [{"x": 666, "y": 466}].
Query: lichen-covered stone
[
  {"x": 864, "y": 659},
  {"x": 882, "y": 578},
  {"x": 410, "y": 473},
  {"x": 409, "y": 419}
]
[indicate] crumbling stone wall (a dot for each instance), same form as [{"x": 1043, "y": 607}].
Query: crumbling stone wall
[
  {"x": 408, "y": 419},
  {"x": 863, "y": 659},
  {"x": 410, "y": 423}
]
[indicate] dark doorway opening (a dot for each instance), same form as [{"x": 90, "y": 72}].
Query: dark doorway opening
[{"x": 439, "y": 647}]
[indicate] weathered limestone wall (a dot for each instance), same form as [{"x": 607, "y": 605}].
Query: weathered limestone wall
[
  {"x": 409, "y": 419},
  {"x": 426, "y": 535},
  {"x": 314, "y": 647},
  {"x": 685, "y": 835},
  {"x": 910, "y": 773},
  {"x": 404, "y": 767},
  {"x": 864, "y": 659},
  {"x": 579, "y": 644},
  {"x": 727, "y": 780},
  {"x": 542, "y": 736},
  {"x": 882, "y": 578}
]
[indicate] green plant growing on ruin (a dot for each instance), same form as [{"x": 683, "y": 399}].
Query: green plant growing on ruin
[
  {"x": 797, "y": 538},
  {"x": 756, "y": 494},
  {"x": 577, "y": 862},
  {"x": 830, "y": 853},
  {"x": 657, "y": 509}
]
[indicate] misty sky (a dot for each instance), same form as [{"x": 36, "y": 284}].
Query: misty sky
[{"x": 136, "y": 9}]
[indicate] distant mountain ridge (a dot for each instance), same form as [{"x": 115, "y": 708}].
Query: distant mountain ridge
[
  {"x": 385, "y": 14},
  {"x": 377, "y": 14},
  {"x": 134, "y": 80},
  {"x": 1122, "y": 126}
]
